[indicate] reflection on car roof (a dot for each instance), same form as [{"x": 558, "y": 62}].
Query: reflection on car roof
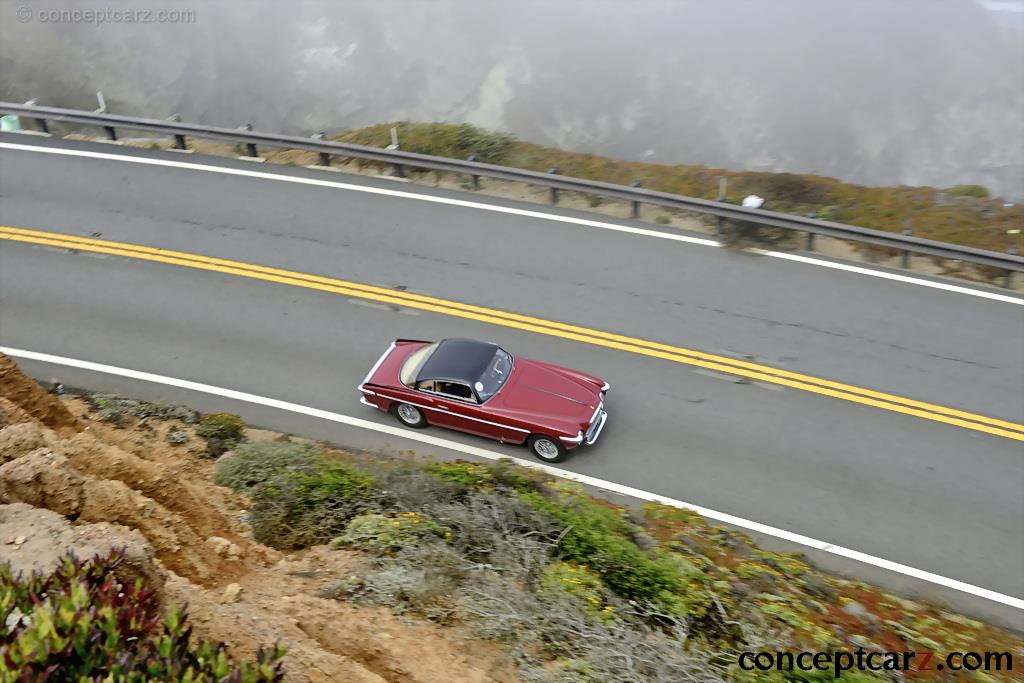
[{"x": 462, "y": 360}]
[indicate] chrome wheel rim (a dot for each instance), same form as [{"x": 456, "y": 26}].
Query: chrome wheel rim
[
  {"x": 408, "y": 414},
  {"x": 545, "y": 449}
]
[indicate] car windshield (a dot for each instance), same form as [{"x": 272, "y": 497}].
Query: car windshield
[{"x": 494, "y": 375}]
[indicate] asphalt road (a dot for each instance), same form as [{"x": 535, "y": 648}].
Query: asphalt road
[{"x": 929, "y": 495}]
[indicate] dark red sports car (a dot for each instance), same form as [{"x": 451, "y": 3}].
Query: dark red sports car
[{"x": 477, "y": 387}]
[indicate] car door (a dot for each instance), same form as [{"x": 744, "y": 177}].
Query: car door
[
  {"x": 454, "y": 406},
  {"x": 477, "y": 419}
]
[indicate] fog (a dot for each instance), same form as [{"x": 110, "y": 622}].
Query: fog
[{"x": 870, "y": 91}]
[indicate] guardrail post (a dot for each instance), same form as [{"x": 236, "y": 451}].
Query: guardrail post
[
  {"x": 809, "y": 243},
  {"x": 111, "y": 133},
  {"x": 250, "y": 147},
  {"x": 553, "y": 190},
  {"x": 398, "y": 171},
  {"x": 41, "y": 124},
  {"x": 474, "y": 180},
  {"x": 1008, "y": 278},
  {"x": 179, "y": 139},
  {"x": 635, "y": 211},
  {"x": 905, "y": 256},
  {"x": 325, "y": 158},
  {"x": 720, "y": 223}
]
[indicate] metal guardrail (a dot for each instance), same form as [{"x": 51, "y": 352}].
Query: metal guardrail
[{"x": 252, "y": 139}]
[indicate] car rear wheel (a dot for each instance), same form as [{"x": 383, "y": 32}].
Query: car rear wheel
[
  {"x": 547, "y": 448},
  {"x": 409, "y": 415}
]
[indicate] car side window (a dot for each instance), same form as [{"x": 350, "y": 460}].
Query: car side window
[
  {"x": 456, "y": 389},
  {"x": 453, "y": 389}
]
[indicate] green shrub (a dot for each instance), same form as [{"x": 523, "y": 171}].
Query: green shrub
[
  {"x": 791, "y": 188},
  {"x": 409, "y": 486},
  {"x": 82, "y": 625},
  {"x": 967, "y": 191},
  {"x": 222, "y": 426},
  {"x": 597, "y": 537},
  {"x": 222, "y": 432},
  {"x": 580, "y": 583},
  {"x": 475, "y": 476},
  {"x": 489, "y": 146},
  {"x": 509, "y": 477},
  {"x": 253, "y": 464},
  {"x": 829, "y": 213},
  {"x": 301, "y": 508},
  {"x": 456, "y": 141},
  {"x": 117, "y": 409},
  {"x": 386, "y": 534},
  {"x": 177, "y": 437}
]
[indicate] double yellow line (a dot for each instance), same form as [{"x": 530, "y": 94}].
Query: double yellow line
[{"x": 763, "y": 373}]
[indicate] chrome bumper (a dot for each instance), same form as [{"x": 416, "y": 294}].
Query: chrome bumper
[{"x": 595, "y": 428}]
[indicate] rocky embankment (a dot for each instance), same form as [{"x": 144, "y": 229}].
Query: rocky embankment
[{"x": 72, "y": 483}]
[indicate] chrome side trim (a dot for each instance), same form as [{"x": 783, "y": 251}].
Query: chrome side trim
[
  {"x": 452, "y": 412},
  {"x": 488, "y": 422},
  {"x": 362, "y": 399},
  {"x": 606, "y": 387},
  {"x": 377, "y": 364},
  {"x": 365, "y": 391}
]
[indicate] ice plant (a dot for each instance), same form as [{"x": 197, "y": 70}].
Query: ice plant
[{"x": 80, "y": 623}]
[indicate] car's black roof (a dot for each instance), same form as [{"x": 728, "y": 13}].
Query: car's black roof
[{"x": 458, "y": 359}]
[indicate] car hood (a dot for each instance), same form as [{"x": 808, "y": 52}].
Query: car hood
[{"x": 539, "y": 389}]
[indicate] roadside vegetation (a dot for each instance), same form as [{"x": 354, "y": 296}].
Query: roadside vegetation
[
  {"x": 80, "y": 624},
  {"x": 577, "y": 589},
  {"x": 564, "y": 585},
  {"x": 964, "y": 214}
]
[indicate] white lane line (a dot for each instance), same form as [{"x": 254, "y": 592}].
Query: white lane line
[
  {"x": 403, "y": 194},
  {"x": 621, "y": 489},
  {"x": 897, "y": 277},
  {"x": 540, "y": 215}
]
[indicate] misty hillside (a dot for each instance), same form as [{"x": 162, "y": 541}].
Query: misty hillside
[{"x": 880, "y": 92}]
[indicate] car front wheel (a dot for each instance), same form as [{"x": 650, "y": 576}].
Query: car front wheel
[
  {"x": 410, "y": 416},
  {"x": 547, "y": 448}
]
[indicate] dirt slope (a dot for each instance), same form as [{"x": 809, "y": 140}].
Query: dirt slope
[{"x": 70, "y": 482}]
